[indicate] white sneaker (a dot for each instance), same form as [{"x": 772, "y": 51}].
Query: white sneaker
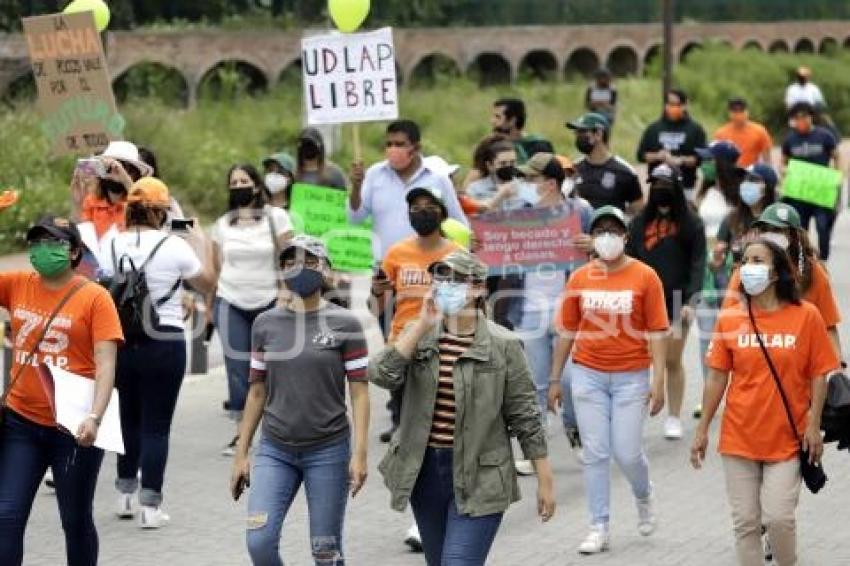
[
  {"x": 597, "y": 540},
  {"x": 646, "y": 515},
  {"x": 125, "y": 509},
  {"x": 673, "y": 428},
  {"x": 524, "y": 467},
  {"x": 412, "y": 539},
  {"x": 153, "y": 517}
]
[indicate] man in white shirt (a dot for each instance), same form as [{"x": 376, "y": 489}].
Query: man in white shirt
[
  {"x": 382, "y": 192},
  {"x": 803, "y": 90}
]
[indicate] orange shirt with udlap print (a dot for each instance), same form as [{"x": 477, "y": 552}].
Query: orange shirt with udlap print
[
  {"x": 406, "y": 265},
  {"x": 87, "y": 318},
  {"x": 755, "y": 425},
  {"x": 752, "y": 140},
  {"x": 610, "y": 314},
  {"x": 819, "y": 294}
]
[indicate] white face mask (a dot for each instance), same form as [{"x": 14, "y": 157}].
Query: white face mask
[
  {"x": 780, "y": 240},
  {"x": 755, "y": 277},
  {"x": 609, "y": 246},
  {"x": 751, "y": 192},
  {"x": 276, "y": 182}
]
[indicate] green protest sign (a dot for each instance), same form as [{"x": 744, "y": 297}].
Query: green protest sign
[
  {"x": 320, "y": 211},
  {"x": 812, "y": 183}
]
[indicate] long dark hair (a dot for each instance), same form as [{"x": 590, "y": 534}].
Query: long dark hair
[
  {"x": 741, "y": 216},
  {"x": 101, "y": 190},
  {"x": 483, "y": 153},
  {"x": 262, "y": 197},
  {"x": 787, "y": 284},
  {"x": 802, "y": 255},
  {"x": 138, "y": 214}
]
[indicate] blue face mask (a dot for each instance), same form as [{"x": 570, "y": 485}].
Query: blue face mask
[
  {"x": 305, "y": 282},
  {"x": 528, "y": 192},
  {"x": 451, "y": 297},
  {"x": 751, "y": 192}
]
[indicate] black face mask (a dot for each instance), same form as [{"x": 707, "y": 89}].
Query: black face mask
[
  {"x": 114, "y": 187},
  {"x": 425, "y": 223},
  {"x": 504, "y": 130},
  {"x": 310, "y": 150},
  {"x": 661, "y": 197},
  {"x": 505, "y": 174},
  {"x": 584, "y": 145},
  {"x": 241, "y": 197}
]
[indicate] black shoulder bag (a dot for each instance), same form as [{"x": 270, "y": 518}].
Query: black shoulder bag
[
  {"x": 31, "y": 354},
  {"x": 813, "y": 475}
]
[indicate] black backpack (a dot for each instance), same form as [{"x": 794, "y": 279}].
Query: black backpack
[{"x": 130, "y": 293}]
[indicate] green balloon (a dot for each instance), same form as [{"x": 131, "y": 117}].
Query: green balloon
[
  {"x": 99, "y": 7},
  {"x": 348, "y": 15}
]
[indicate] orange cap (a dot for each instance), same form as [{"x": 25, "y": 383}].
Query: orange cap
[
  {"x": 149, "y": 191},
  {"x": 566, "y": 163}
]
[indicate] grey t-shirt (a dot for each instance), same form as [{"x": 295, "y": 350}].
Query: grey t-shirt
[
  {"x": 333, "y": 177},
  {"x": 305, "y": 360}
]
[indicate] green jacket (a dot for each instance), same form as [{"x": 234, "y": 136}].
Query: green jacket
[{"x": 495, "y": 399}]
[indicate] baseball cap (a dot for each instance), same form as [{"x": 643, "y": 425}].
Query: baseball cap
[
  {"x": 763, "y": 172},
  {"x": 665, "y": 172},
  {"x": 431, "y": 192},
  {"x": 736, "y": 102},
  {"x": 149, "y": 191},
  {"x": 313, "y": 135},
  {"x": 722, "y": 149},
  {"x": 308, "y": 244},
  {"x": 589, "y": 121},
  {"x": 566, "y": 163},
  {"x": 57, "y": 227},
  {"x": 283, "y": 159},
  {"x": 544, "y": 164},
  {"x": 462, "y": 262},
  {"x": 780, "y": 215},
  {"x": 127, "y": 152},
  {"x": 607, "y": 211},
  {"x": 440, "y": 166}
]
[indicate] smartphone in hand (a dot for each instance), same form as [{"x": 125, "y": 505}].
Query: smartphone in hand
[
  {"x": 92, "y": 166},
  {"x": 241, "y": 484},
  {"x": 181, "y": 224}
]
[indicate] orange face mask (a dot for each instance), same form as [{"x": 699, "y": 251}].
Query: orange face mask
[
  {"x": 739, "y": 117},
  {"x": 674, "y": 111}
]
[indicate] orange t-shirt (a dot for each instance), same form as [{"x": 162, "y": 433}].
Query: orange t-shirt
[
  {"x": 87, "y": 318},
  {"x": 103, "y": 214},
  {"x": 406, "y": 265},
  {"x": 610, "y": 314},
  {"x": 752, "y": 139},
  {"x": 819, "y": 294},
  {"x": 755, "y": 425}
]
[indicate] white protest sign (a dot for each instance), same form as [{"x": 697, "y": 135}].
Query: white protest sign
[{"x": 349, "y": 77}]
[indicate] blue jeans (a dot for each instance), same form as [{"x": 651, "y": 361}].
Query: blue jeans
[
  {"x": 539, "y": 337},
  {"x": 611, "y": 410},
  {"x": 275, "y": 479},
  {"x": 448, "y": 537},
  {"x": 26, "y": 451},
  {"x": 234, "y": 330},
  {"x": 148, "y": 378},
  {"x": 824, "y": 222}
]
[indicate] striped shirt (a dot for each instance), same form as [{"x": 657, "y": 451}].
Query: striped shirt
[{"x": 443, "y": 425}]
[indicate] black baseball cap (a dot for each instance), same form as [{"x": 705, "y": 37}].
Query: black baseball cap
[{"x": 56, "y": 227}]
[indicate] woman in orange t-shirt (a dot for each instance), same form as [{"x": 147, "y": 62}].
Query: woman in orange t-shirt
[
  {"x": 759, "y": 448},
  {"x": 613, "y": 320}
]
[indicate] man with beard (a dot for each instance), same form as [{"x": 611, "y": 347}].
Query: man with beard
[{"x": 508, "y": 119}]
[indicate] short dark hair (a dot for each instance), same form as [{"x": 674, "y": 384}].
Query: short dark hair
[
  {"x": 680, "y": 94},
  {"x": 787, "y": 286},
  {"x": 514, "y": 108},
  {"x": 802, "y": 107},
  {"x": 146, "y": 155},
  {"x": 736, "y": 102},
  {"x": 406, "y": 127},
  {"x": 554, "y": 170}
]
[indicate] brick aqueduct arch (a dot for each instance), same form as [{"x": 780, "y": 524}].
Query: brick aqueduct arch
[{"x": 494, "y": 54}]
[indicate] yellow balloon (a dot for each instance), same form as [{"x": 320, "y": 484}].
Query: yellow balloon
[
  {"x": 457, "y": 232},
  {"x": 348, "y": 15},
  {"x": 99, "y": 7}
]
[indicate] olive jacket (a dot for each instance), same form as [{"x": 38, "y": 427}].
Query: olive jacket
[{"x": 495, "y": 398}]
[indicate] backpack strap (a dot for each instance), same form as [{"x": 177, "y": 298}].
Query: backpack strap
[
  {"x": 153, "y": 253},
  {"x": 165, "y": 298}
]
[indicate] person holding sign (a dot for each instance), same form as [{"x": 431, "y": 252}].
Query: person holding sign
[
  {"x": 57, "y": 318},
  {"x": 466, "y": 387},
  {"x": 816, "y": 145},
  {"x": 614, "y": 324}
]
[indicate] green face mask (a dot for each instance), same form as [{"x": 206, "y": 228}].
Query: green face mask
[{"x": 50, "y": 259}]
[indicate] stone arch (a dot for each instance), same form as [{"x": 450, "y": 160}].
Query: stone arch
[
  {"x": 539, "y": 64},
  {"x": 828, "y": 45},
  {"x": 778, "y": 46},
  {"x": 753, "y": 44},
  {"x": 688, "y": 49},
  {"x": 651, "y": 54},
  {"x": 429, "y": 68},
  {"x": 490, "y": 68},
  {"x": 232, "y": 77},
  {"x": 20, "y": 89},
  {"x": 152, "y": 79},
  {"x": 804, "y": 45},
  {"x": 291, "y": 73},
  {"x": 847, "y": 42},
  {"x": 623, "y": 61},
  {"x": 582, "y": 62}
]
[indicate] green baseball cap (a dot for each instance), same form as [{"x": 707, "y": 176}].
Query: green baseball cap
[
  {"x": 283, "y": 159},
  {"x": 463, "y": 263},
  {"x": 780, "y": 215},
  {"x": 590, "y": 121},
  {"x": 607, "y": 212}
]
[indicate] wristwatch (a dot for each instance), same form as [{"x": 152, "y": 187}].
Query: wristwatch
[{"x": 95, "y": 418}]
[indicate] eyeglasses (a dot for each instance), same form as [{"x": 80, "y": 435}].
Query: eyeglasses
[
  {"x": 417, "y": 208},
  {"x": 305, "y": 263},
  {"x": 444, "y": 274},
  {"x": 49, "y": 242}
]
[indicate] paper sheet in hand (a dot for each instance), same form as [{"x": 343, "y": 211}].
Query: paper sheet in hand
[{"x": 71, "y": 397}]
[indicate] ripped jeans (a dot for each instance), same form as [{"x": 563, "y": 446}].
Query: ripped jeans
[{"x": 276, "y": 476}]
